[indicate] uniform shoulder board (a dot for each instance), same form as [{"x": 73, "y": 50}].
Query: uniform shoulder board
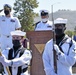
[{"x": 37, "y": 23}]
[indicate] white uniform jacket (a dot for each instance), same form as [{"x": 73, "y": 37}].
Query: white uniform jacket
[
  {"x": 65, "y": 60},
  {"x": 23, "y": 61},
  {"x": 44, "y": 26},
  {"x": 7, "y": 24}
]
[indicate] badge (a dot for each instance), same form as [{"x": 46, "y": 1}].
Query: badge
[
  {"x": 3, "y": 20},
  {"x": 12, "y": 20}
]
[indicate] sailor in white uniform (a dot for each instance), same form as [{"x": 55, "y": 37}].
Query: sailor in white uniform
[
  {"x": 44, "y": 24},
  {"x": 17, "y": 58},
  {"x": 8, "y": 23},
  {"x": 65, "y": 49}
]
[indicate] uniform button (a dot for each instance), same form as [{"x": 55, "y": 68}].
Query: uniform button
[
  {"x": 8, "y": 36},
  {"x": 14, "y": 67}
]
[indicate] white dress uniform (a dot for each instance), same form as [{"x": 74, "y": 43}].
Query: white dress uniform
[
  {"x": 44, "y": 26},
  {"x": 65, "y": 60},
  {"x": 7, "y": 24},
  {"x": 22, "y": 61}
]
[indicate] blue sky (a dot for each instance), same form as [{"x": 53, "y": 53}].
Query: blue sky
[
  {"x": 57, "y": 4},
  {"x": 46, "y": 4}
]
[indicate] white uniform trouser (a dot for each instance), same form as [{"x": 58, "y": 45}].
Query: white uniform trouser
[{"x": 5, "y": 42}]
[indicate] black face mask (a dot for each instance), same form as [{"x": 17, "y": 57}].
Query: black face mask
[
  {"x": 16, "y": 43},
  {"x": 6, "y": 12},
  {"x": 59, "y": 31}
]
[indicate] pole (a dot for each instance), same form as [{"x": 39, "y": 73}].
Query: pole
[
  {"x": 54, "y": 42},
  {"x": 8, "y": 71}
]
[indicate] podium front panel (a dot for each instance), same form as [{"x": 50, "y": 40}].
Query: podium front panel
[{"x": 37, "y": 41}]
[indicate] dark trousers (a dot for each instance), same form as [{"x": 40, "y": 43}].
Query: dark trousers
[{"x": 1, "y": 68}]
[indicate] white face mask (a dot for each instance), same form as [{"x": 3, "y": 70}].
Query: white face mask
[{"x": 45, "y": 20}]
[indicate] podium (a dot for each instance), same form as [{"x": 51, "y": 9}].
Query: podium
[
  {"x": 37, "y": 41},
  {"x": 74, "y": 68}
]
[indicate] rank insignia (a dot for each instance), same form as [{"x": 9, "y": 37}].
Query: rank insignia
[
  {"x": 49, "y": 26},
  {"x": 12, "y": 20},
  {"x": 3, "y": 20}
]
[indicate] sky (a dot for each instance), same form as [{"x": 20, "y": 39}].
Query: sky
[
  {"x": 47, "y": 4},
  {"x": 57, "y": 4}
]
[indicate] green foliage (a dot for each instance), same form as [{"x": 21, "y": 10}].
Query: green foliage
[
  {"x": 70, "y": 33},
  {"x": 24, "y": 11}
]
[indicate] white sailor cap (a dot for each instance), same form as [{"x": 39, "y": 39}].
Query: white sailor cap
[
  {"x": 7, "y": 6},
  {"x": 44, "y": 12},
  {"x": 18, "y": 33},
  {"x": 60, "y": 21}
]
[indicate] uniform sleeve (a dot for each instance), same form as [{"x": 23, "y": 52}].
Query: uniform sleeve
[
  {"x": 46, "y": 61},
  {"x": 24, "y": 59},
  {"x": 18, "y": 25},
  {"x": 68, "y": 60},
  {"x": 5, "y": 53}
]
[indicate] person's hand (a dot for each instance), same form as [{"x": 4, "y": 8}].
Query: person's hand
[
  {"x": 4, "y": 61},
  {"x": 56, "y": 48}
]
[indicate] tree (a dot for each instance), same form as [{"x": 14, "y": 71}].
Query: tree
[
  {"x": 70, "y": 33},
  {"x": 24, "y": 11}
]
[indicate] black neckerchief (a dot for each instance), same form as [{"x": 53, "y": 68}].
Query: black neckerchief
[
  {"x": 59, "y": 38},
  {"x": 21, "y": 49},
  {"x": 63, "y": 40}
]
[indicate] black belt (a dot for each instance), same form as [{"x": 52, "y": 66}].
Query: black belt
[{"x": 24, "y": 70}]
